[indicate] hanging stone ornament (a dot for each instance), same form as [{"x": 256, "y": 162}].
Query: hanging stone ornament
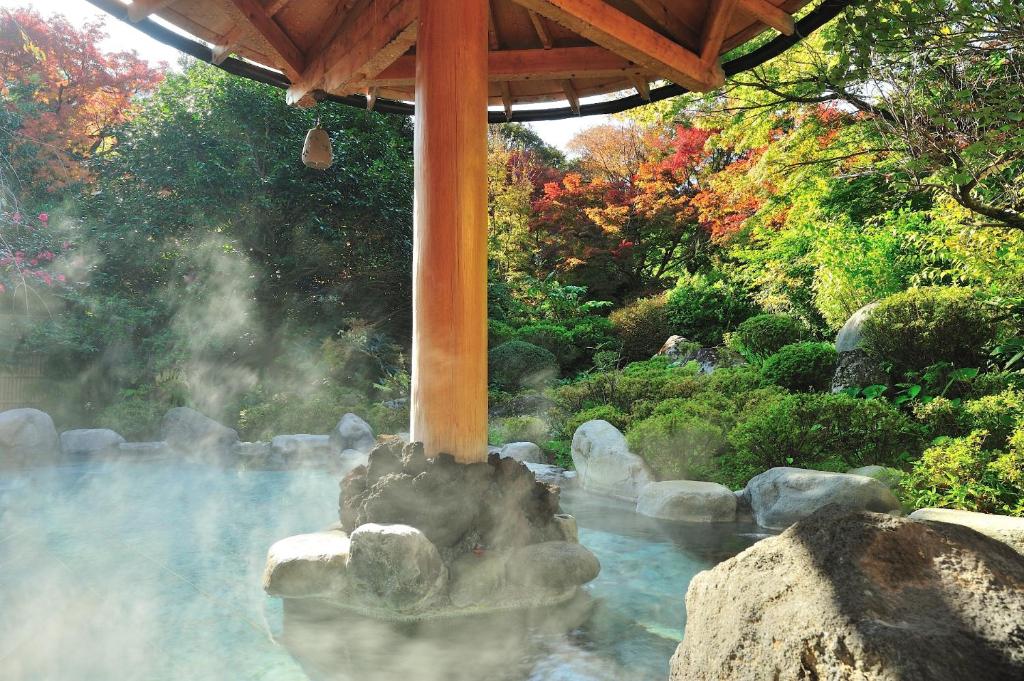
[{"x": 317, "y": 152}]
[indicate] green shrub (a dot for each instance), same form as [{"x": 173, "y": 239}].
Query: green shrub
[
  {"x": 261, "y": 415},
  {"x": 923, "y": 326},
  {"x": 765, "y": 334},
  {"x": 800, "y": 367},
  {"x": 560, "y": 451},
  {"x": 999, "y": 415},
  {"x": 604, "y": 412},
  {"x": 940, "y": 417},
  {"x": 519, "y": 429},
  {"x": 702, "y": 308},
  {"x": 642, "y": 327},
  {"x": 592, "y": 335},
  {"x": 824, "y": 431},
  {"x": 962, "y": 473},
  {"x": 554, "y": 338},
  {"x": 515, "y": 364},
  {"x": 992, "y": 382},
  {"x": 733, "y": 381},
  {"x": 499, "y": 332},
  {"x": 677, "y": 446},
  {"x": 136, "y": 414}
]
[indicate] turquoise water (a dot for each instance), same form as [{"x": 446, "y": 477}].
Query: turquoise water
[{"x": 151, "y": 571}]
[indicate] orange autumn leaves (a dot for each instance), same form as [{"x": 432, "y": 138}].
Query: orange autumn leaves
[{"x": 63, "y": 96}]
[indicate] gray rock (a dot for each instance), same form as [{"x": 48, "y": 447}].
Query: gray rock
[
  {"x": 353, "y": 432},
  {"x": 476, "y": 580},
  {"x": 568, "y": 528},
  {"x": 493, "y": 449},
  {"x": 552, "y": 475},
  {"x": 552, "y": 566},
  {"x": 89, "y": 442},
  {"x": 858, "y": 596},
  {"x": 257, "y": 455},
  {"x": 527, "y": 452},
  {"x": 395, "y": 567},
  {"x": 351, "y": 459},
  {"x": 781, "y": 496},
  {"x": 1004, "y": 528},
  {"x": 27, "y": 437},
  {"x": 189, "y": 432},
  {"x": 676, "y": 348},
  {"x": 857, "y": 369},
  {"x": 851, "y": 336},
  {"x": 308, "y": 565},
  {"x": 688, "y": 501},
  {"x": 889, "y": 477},
  {"x": 144, "y": 449},
  {"x": 604, "y": 463},
  {"x": 304, "y": 449}
]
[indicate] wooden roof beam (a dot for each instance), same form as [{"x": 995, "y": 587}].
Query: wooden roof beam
[
  {"x": 559, "y": 63},
  {"x": 369, "y": 41},
  {"x": 716, "y": 23},
  {"x": 620, "y": 33},
  {"x": 140, "y": 9},
  {"x": 256, "y": 15},
  {"x": 571, "y": 96},
  {"x": 228, "y": 43},
  {"x": 769, "y": 14},
  {"x": 542, "y": 31},
  {"x": 664, "y": 17},
  {"x": 275, "y": 6},
  {"x": 642, "y": 87}
]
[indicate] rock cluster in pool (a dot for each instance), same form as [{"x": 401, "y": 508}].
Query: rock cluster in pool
[{"x": 426, "y": 537}]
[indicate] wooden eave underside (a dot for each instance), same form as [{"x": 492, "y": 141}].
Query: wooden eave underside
[{"x": 540, "y": 50}]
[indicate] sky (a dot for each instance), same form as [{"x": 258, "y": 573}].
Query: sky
[{"x": 123, "y": 36}]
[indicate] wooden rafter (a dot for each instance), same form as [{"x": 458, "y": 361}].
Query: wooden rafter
[
  {"x": 275, "y": 6},
  {"x": 492, "y": 32},
  {"x": 368, "y": 41},
  {"x": 571, "y": 96},
  {"x": 716, "y": 23},
  {"x": 255, "y": 14},
  {"x": 542, "y": 31},
  {"x": 228, "y": 43},
  {"x": 666, "y": 18},
  {"x": 559, "y": 63},
  {"x": 506, "y": 98},
  {"x": 769, "y": 14},
  {"x": 642, "y": 87},
  {"x": 371, "y": 98},
  {"x": 610, "y": 28},
  {"x": 140, "y": 9}
]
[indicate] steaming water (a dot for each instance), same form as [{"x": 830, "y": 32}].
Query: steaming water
[{"x": 151, "y": 571}]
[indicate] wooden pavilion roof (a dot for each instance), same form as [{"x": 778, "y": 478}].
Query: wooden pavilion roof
[{"x": 540, "y": 50}]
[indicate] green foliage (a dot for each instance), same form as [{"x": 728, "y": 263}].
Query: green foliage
[
  {"x": 263, "y": 415},
  {"x": 642, "y": 327},
  {"x": 802, "y": 367},
  {"x": 519, "y": 429},
  {"x": 554, "y": 338},
  {"x": 135, "y": 414},
  {"x": 963, "y": 473},
  {"x": 923, "y": 326},
  {"x": 704, "y": 307},
  {"x": 940, "y": 417},
  {"x": 516, "y": 364},
  {"x": 830, "y": 432},
  {"x": 677, "y": 445},
  {"x": 998, "y": 415},
  {"x": 604, "y": 412},
  {"x": 499, "y": 332},
  {"x": 765, "y": 334}
]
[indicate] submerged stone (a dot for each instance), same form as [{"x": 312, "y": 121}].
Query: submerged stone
[{"x": 689, "y": 501}]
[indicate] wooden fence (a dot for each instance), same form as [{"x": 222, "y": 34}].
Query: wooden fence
[{"x": 24, "y": 384}]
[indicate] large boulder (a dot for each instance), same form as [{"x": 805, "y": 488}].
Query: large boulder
[
  {"x": 1006, "y": 529},
  {"x": 90, "y": 442},
  {"x": 156, "y": 449},
  {"x": 604, "y": 463},
  {"x": 851, "y": 336},
  {"x": 27, "y": 436},
  {"x": 189, "y": 432},
  {"x": 858, "y": 596},
  {"x": 304, "y": 449},
  {"x": 396, "y": 568},
  {"x": 526, "y": 452},
  {"x": 688, "y": 500},
  {"x": 855, "y": 368},
  {"x": 781, "y": 496},
  {"x": 552, "y": 566},
  {"x": 308, "y": 565},
  {"x": 353, "y": 432}
]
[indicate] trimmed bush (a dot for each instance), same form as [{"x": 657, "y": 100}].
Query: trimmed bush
[
  {"x": 940, "y": 417},
  {"x": 765, "y": 334},
  {"x": 963, "y": 473},
  {"x": 498, "y": 332},
  {"x": 605, "y": 412},
  {"x": 802, "y": 367},
  {"x": 519, "y": 429},
  {"x": 823, "y": 431},
  {"x": 703, "y": 308},
  {"x": 515, "y": 364},
  {"x": 923, "y": 326},
  {"x": 554, "y": 338},
  {"x": 642, "y": 327},
  {"x": 677, "y": 446},
  {"x": 998, "y": 415}
]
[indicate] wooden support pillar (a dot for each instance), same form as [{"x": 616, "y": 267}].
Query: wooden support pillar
[{"x": 449, "y": 346}]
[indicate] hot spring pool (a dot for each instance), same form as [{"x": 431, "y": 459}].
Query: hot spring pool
[{"x": 151, "y": 571}]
